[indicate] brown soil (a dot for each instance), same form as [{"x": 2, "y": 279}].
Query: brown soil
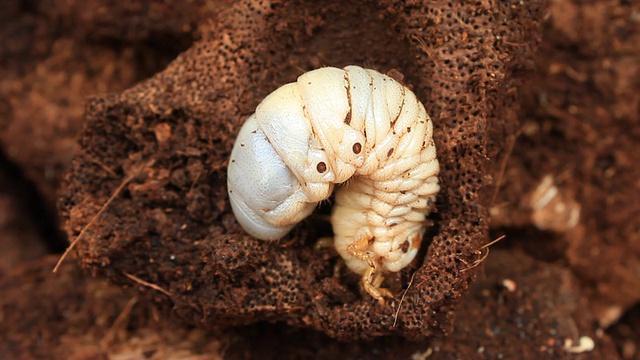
[{"x": 529, "y": 99}]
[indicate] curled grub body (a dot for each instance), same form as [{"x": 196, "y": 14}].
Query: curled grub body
[{"x": 333, "y": 126}]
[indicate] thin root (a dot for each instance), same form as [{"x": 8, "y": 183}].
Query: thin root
[
  {"x": 102, "y": 209},
  {"x": 104, "y": 167},
  {"x": 492, "y": 242},
  {"x": 147, "y": 284},
  {"x": 484, "y": 256},
  {"x": 423, "y": 46},
  {"x": 397, "y": 314},
  {"x": 477, "y": 262}
]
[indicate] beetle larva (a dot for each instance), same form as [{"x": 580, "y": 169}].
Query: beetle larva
[{"x": 330, "y": 126}]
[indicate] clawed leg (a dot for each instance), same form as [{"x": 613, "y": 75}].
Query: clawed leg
[
  {"x": 372, "y": 278},
  {"x": 358, "y": 248}
]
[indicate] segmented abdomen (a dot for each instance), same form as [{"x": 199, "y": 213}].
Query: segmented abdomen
[{"x": 390, "y": 195}]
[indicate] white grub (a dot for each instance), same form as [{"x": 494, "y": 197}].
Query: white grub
[{"x": 334, "y": 126}]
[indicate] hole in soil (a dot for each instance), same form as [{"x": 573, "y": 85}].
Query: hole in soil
[{"x": 31, "y": 204}]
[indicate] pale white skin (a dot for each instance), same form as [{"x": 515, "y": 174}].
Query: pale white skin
[{"x": 330, "y": 126}]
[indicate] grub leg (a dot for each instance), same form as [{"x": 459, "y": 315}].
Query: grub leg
[
  {"x": 358, "y": 248},
  {"x": 371, "y": 281}
]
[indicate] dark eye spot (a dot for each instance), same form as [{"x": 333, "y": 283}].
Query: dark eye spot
[
  {"x": 405, "y": 246},
  {"x": 357, "y": 148},
  {"x": 321, "y": 167},
  {"x": 390, "y": 152}
]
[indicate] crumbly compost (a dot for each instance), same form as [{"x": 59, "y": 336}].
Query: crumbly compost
[{"x": 172, "y": 135}]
